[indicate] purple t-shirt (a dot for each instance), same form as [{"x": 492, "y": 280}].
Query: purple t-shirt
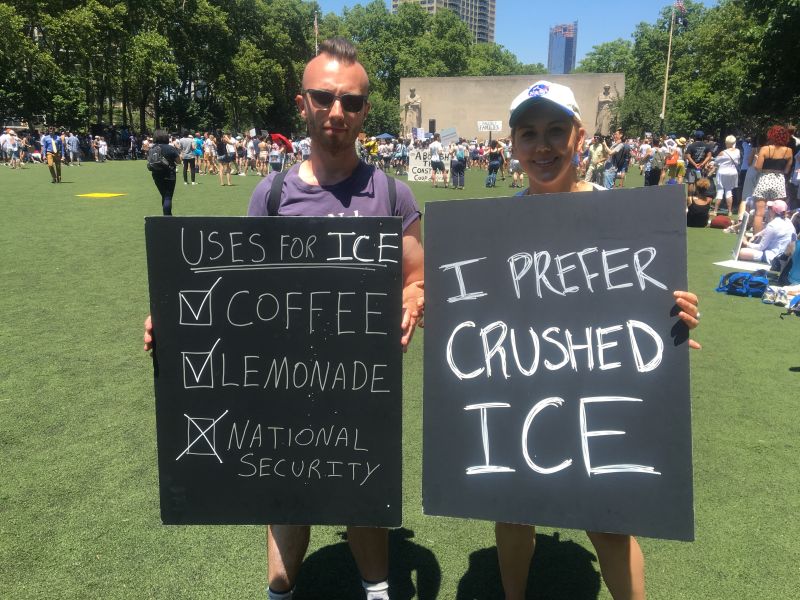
[{"x": 364, "y": 194}]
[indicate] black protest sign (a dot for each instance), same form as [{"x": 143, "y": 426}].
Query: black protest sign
[
  {"x": 556, "y": 368},
  {"x": 278, "y": 368}
]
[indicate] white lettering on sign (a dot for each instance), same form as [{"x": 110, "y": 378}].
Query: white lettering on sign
[
  {"x": 486, "y": 467},
  {"x": 585, "y": 434},
  {"x": 456, "y": 266},
  {"x": 556, "y": 344},
  {"x": 551, "y": 274}
]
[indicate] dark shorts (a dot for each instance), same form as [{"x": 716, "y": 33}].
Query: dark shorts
[
  {"x": 692, "y": 175},
  {"x": 437, "y": 165},
  {"x": 224, "y": 159}
]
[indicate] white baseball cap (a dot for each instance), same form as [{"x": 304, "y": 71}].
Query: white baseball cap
[{"x": 555, "y": 93}]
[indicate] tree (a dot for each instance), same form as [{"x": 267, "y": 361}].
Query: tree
[
  {"x": 639, "y": 109},
  {"x": 773, "y": 72},
  {"x": 608, "y": 57},
  {"x": 247, "y": 88},
  {"x": 151, "y": 68},
  {"x": 217, "y": 63},
  {"x": 25, "y": 70},
  {"x": 487, "y": 59}
]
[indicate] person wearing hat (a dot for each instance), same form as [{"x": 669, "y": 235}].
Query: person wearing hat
[
  {"x": 697, "y": 155},
  {"x": 670, "y": 173},
  {"x": 773, "y": 239},
  {"x": 596, "y": 160},
  {"x": 727, "y": 179},
  {"x": 546, "y": 134},
  {"x": 681, "y": 170}
]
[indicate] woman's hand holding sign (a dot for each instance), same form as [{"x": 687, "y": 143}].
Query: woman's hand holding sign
[{"x": 689, "y": 312}]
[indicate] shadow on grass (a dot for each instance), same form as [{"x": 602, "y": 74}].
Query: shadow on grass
[
  {"x": 559, "y": 571},
  {"x": 331, "y": 571}
]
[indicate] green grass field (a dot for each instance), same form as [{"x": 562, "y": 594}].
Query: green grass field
[{"x": 79, "y": 512}]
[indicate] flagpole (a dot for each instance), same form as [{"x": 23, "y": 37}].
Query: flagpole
[
  {"x": 316, "y": 34},
  {"x": 666, "y": 72}
]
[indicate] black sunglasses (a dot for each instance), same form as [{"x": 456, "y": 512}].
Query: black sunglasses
[{"x": 350, "y": 102}]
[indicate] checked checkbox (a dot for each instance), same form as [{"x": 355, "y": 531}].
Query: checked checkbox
[
  {"x": 195, "y": 306},
  {"x": 198, "y": 368}
]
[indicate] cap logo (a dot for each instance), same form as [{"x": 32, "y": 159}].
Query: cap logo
[{"x": 540, "y": 89}]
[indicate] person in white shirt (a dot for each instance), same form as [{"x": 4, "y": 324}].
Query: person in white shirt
[
  {"x": 13, "y": 149},
  {"x": 437, "y": 160},
  {"x": 727, "y": 179},
  {"x": 644, "y": 154},
  {"x": 773, "y": 239},
  {"x": 5, "y": 152}
]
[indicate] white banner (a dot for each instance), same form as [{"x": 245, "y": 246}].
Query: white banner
[
  {"x": 419, "y": 165},
  {"x": 490, "y": 125}
]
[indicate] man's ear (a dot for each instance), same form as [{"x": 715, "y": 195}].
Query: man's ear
[
  {"x": 300, "y": 102},
  {"x": 579, "y": 139}
]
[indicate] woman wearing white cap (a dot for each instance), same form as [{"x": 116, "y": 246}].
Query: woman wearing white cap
[{"x": 546, "y": 133}]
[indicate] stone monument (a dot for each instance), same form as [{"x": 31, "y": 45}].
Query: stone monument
[
  {"x": 605, "y": 103},
  {"x": 412, "y": 113}
]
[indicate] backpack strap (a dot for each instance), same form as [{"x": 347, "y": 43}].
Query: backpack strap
[
  {"x": 274, "y": 195},
  {"x": 392, "y": 184},
  {"x": 276, "y": 189}
]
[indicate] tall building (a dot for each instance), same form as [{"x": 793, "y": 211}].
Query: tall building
[
  {"x": 561, "y": 52},
  {"x": 477, "y": 14}
]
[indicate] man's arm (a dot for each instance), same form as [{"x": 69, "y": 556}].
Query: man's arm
[
  {"x": 413, "y": 281},
  {"x": 690, "y": 157},
  {"x": 613, "y": 150}
]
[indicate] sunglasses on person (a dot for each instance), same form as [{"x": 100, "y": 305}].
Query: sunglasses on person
[{"x": 350, "y": 102}]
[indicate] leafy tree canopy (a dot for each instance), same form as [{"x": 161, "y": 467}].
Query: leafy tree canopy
[{"x": 239, "y": 63}]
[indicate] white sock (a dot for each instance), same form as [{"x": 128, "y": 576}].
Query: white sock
[
  {"x": 376, "y": 591},
  {"x": 273, "y": 595}
]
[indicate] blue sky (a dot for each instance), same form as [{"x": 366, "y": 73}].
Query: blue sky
[{"x": 523, "y": 26}]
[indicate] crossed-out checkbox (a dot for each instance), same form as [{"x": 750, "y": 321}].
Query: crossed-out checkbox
[
  {"x": 205, "y": 429},
  {"x": 198, "y": 368},
  {"x": 195, "y": 306}
]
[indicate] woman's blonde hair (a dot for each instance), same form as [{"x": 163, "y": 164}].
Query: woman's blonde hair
[{"x": 730, "y": 141}]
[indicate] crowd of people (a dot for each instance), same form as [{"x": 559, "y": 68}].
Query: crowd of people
[
  {"x": 740, "y": 174},
  {"x": 754, "y": 174},
  {"x": 449, "y": 161},
  {"x": 25, "y": 147},
  {"x": 214, "y": 153}
]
